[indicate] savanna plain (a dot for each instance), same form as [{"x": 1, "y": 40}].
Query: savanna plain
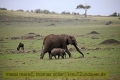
[{"x": 100, "y": 44}]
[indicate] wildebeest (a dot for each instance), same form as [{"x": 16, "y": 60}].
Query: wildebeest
[{"x": 21, "y": 45}]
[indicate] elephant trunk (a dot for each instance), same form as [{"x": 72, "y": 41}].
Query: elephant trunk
[{"x": 79, "y": 50}]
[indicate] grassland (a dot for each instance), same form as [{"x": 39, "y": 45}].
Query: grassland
[{"x": 98, "y": 57}]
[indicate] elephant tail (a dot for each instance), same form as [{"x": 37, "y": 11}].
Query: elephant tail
[
  {"x": 42, "y": 47},
  {"x": 42, "y": 50}
]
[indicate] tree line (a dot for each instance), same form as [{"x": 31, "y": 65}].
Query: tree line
[
  {"x": 3, "y": 8},
  {"x": 115, "y": 14},
  {"x": 43, "y": 11},
  {"x": 80, "y": 6}
]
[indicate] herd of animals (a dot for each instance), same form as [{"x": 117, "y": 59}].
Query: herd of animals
[{"x": 56, "y": 45}]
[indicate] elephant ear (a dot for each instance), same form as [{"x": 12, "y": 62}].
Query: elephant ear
[
  {"x": 72, "y": 40},
  {"x": 69, "y": 40}
]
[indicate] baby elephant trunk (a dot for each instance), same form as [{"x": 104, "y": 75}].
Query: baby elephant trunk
[{"x": 61, "y": 54}]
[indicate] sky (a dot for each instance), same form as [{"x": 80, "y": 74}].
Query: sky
[{"x": 98, "y": 7}]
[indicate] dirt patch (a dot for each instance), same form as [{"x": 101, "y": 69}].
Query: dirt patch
[
  {"x": 32, "y": 35},
  {"x": 34, "y": 51},
  {"x": 51, "y": 24},
  {"x": 109, "y": 22},
  {"x": 15, "y": 38},
  {"x": 71, "y": 49},
  {"x": 94, "y": 37},
  {"x": 27, "y": 37},
  {"x": 93, "y": 32},
  {"x": 110, "y": 41}
]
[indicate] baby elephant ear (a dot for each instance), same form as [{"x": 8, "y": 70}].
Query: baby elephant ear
[{"x": 63, "y": 50}]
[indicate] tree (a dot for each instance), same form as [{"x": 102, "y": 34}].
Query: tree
[
  {"x": 46, "y": 11},
  {"x": 118, "y": 14},
  {"x": 3, "y": 8},
  {"x": 27, "y": 11},
  {"x": 37, "y": 11},
  {"x": 21, "y": 10},
  {"x": 63, "y": 12},
  {"x": 114, "y": 14},
  {"x": 31, "y": 10},
  {"x": 80, "y": 6}
]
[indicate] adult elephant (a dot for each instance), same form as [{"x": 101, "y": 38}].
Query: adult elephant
[{"x": 58, "y": 41}]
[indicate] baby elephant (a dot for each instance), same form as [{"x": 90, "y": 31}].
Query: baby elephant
[{"x": 59, "y": 52}]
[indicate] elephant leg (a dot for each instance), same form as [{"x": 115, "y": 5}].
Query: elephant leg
[
  {"x": 62, "y": 55},
  {"x": 58, "y": 56},
  {"x": 67, "y": 51},
  {"x": 45, "y": 50},
  {"x": 42, "y": 54},
  {"x": 55, "y": 57},
  {"x": 49, "y": 54}
]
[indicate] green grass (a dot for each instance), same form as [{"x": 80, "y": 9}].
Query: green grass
[{"x": 106, "y": 58}]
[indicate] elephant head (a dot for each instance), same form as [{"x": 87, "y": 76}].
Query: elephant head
[
  {"x": 62, "y": 52},
  {"x": 71, "y": 40}
]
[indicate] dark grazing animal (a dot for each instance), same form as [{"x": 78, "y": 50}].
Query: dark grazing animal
[{"x": 21, "y": 45}]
